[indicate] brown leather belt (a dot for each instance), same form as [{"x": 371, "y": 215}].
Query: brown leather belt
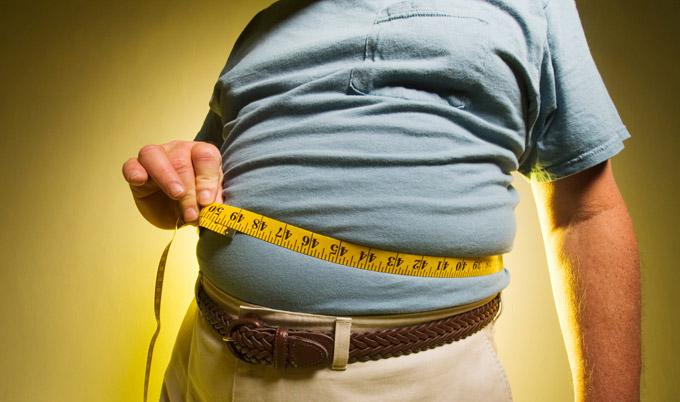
[{"x": 252, "y": 341}]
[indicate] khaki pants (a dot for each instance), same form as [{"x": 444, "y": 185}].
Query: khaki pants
[{"x": 203, "y": 369}]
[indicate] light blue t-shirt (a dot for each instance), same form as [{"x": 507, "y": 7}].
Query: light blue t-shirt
[{"x": 396, "y": 125}]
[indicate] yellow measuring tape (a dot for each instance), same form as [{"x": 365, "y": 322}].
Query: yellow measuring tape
[
  {"x": 158, "y": 292},
  {"x": 225, "y": 219}
]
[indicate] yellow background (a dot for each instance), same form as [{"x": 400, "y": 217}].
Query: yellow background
[{"x": 85, "y": 84}]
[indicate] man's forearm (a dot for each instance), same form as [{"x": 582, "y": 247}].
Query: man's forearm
[
  {"x": 594, "y": 269},
  {"x": 595, "y": 272}
]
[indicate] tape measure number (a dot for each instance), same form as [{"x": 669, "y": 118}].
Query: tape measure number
[{"x": 223, "y": 219}]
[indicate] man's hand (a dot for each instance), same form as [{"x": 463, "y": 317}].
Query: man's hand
[
  {"x": 594, "y": 267},
  {"x": 173, "y": 180}
]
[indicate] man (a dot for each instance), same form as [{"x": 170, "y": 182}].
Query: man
[{"x": 396, "y": 126}]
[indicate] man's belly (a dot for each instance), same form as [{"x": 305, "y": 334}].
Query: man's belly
[{"x": 265, "y": 274}]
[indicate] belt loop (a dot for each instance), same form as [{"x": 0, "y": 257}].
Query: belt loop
[
  {"x": 343, "y": 328},
  {"x": 280, "y": 357}
]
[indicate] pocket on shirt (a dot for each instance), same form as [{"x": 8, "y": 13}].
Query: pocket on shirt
[{"x": 424, "y": 51}]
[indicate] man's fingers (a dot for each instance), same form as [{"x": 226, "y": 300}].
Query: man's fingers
[
  {"x": 179, "y": 155},
  {"x": 187, "y": 172},
  {"x": 138, "y": 179},
  {"x": 155, "y": 161},
  {"x": 134, "y": 172},
  {"x": 207, "y": 162}
]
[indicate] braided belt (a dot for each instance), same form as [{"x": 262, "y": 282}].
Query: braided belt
[{"x": 252, "y": 341}]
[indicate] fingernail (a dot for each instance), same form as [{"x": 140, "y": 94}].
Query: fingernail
[
  {"x": 204, "y": 197},
  {"x": 175, "y": 190},
  {"x": 190, "y": 214}
]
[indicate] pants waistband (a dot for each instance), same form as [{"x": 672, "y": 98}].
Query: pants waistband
[
  {"x": 318, "y": 322},
  {"x": 287, "y": 339}
]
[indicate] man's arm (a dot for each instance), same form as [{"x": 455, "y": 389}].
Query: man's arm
[{"x": 594, "y": 267}]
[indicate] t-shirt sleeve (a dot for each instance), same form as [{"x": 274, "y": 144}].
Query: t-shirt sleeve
[
  {"x": 211, "y": 131},
  {"x": 578, "y": 126},
  {"x": 213, "y": 126}
]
